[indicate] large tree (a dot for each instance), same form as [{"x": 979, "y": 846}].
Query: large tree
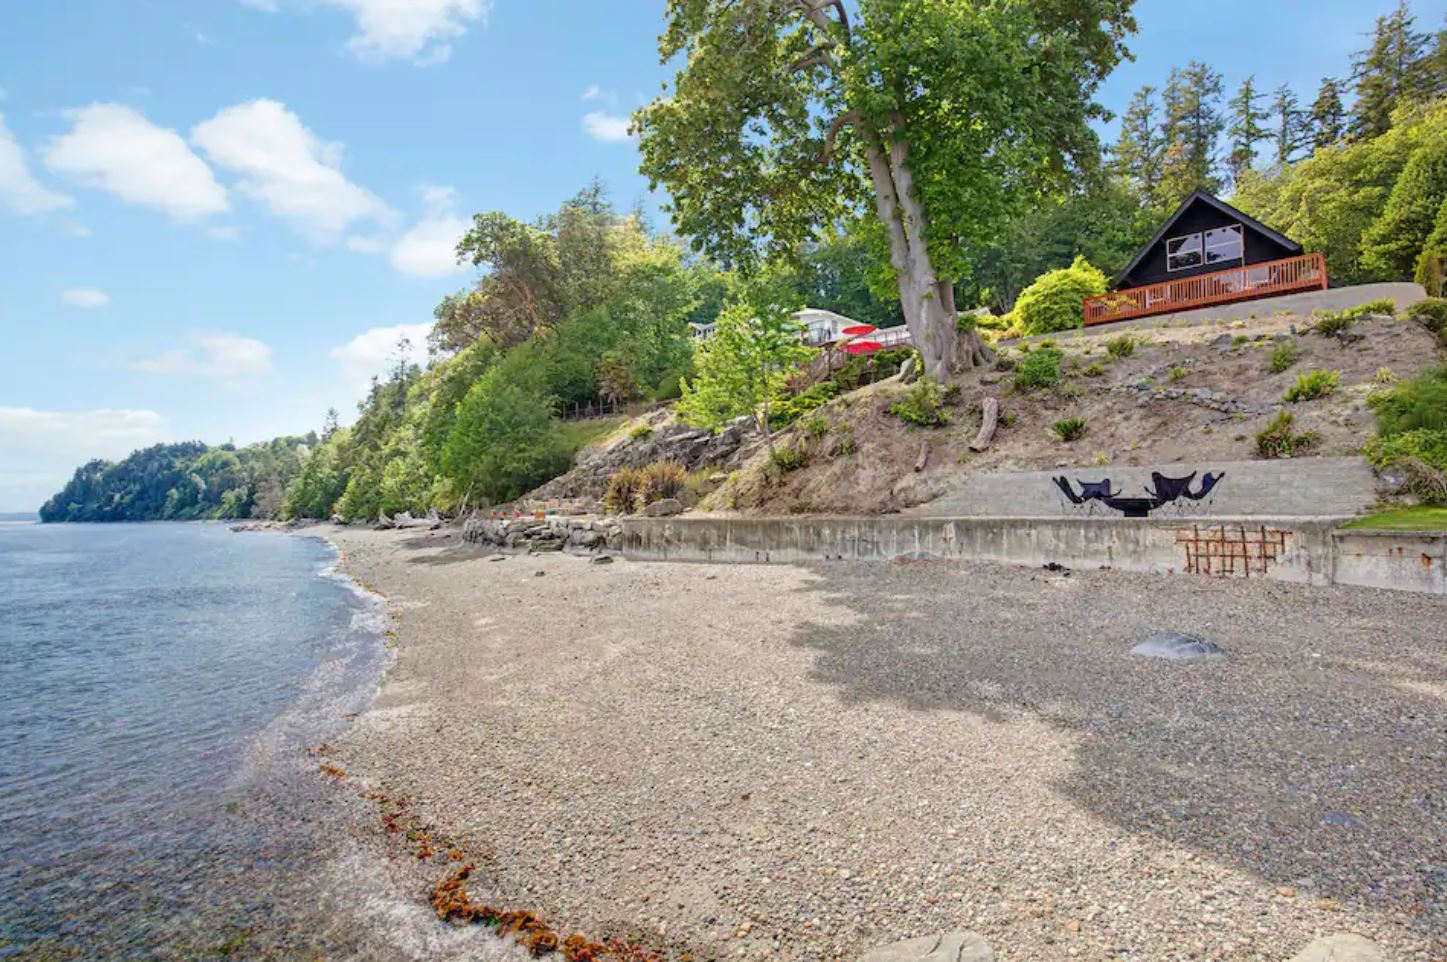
[
  {"x": 1140, "y": 150},
  {"x": 1390, "y": 71},
  {"x": 1193, "y": 125},
  {"x": 1327, "y": 121},
  {"x": 1247, "y": 130},
  {"x": 942, "y": 114}
]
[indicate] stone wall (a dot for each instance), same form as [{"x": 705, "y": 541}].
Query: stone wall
[{"x": 544, "y": 534}]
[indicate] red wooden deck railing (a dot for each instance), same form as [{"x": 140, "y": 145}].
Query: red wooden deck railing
[{"x": 1304, "y": 273}]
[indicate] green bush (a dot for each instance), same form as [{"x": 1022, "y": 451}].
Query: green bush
[
  {"x": 1039, "y": 369},
  {"x": 787, "y": 458},
  {"x": 1280, "y": 440},
  {"x": 1069, "y": 429},
  {"x": 817, "y": 427},
  {"x": 1003, "y": 362},
  {"x": 1284, "y": 356},
  {"x": 869, "y": 368},
  {"x": 1432, "y": 314},
  {"x": 1418, "y": 404},
  {"x": 922, "y": 404},
  {"x": 1056, "y": 300},
  {"x": 790, "y": 408},
  {"x": 1421, "y": 455},
  {"x": 1095, "y": 370},
  {"x": 1383, "y": 305},
  {"x": 641, "y": 433},
  {"x": 1177, "y": 374},
  {"x": 1333, "y": 325},
  {"x": 1312, "y": 385},
  {"x": 660, "y": 480},
  {"x": 1122, "y": 346}
]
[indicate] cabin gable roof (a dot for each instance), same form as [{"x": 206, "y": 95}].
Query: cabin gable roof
[{"x": 1203, "y": 197}]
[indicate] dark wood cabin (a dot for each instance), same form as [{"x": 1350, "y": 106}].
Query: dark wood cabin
[{"x": 1207, "y": 253}]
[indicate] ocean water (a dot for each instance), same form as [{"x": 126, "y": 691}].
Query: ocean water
[{"x": 160, "y": 685}]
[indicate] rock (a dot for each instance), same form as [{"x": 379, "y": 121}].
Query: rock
[
  {"x": 602, "y": 559},
  {"x": 1393, "y": 480},
  {"x": 664, "y": 508},
  {"x": 952, "y": 947},
  {"x": 1342, "y": 820},
  {"x": 1341, "y": 948},
  {"x": 1175, "y": 646},
  {"x": 498, "y": 557},
  {"x": 687, "y": 498},
  {"x": 1222, "y": 340},
  {"x": 910, "y": 371}
]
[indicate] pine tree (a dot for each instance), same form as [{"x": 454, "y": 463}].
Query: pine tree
[
  {"x": 1246, "y": 129},
  {"x": 1389, "y": 72},
  {"x": 1138, "y": 152},
  {"x": 1327, "y": 121},
  {"x": 1291, "y": 133},
  {"x": 1192, "y": 127}
]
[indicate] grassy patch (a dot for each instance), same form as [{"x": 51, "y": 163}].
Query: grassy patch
[
  {"x": 1404, "y": 519},
  {"x": 579, "y": 434}
]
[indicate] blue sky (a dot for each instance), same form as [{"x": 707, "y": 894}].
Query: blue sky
[{"x": 215, "y": 215}]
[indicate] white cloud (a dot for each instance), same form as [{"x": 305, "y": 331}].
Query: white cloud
[
  {"x": 286, "y": 167},
  {"x": 20, "y": 190},
  {"x": 266, "y": 6},
  {"x": 366, "y": 244},
  {"x": 606, "y": 127},
  {"x": 86, "y": 297},
  {"x": 374, "y": 351},
  {"x": 420, "y": 30},
  {"x": 220, "y": 357},
  {"x": 115, "y": 148},
  {"x": 593, "y": 92},
  {"x": 40, "y": 449},
  {"x": 429, "y": 249}
]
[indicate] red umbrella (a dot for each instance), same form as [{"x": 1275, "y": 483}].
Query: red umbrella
[
  {"x": 863, "y": 347},
  {"x": 859, "y": 330}
]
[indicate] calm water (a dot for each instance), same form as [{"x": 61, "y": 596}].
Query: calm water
[{"x": 159, "y": 685}]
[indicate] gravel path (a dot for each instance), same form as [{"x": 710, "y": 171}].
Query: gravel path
[{"x": 801, "y": 763}]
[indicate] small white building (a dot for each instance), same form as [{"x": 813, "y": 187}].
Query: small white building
[{"x": 820, "y": 327}]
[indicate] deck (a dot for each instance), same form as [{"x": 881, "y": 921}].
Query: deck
[{"x": 1294, "y": 274}]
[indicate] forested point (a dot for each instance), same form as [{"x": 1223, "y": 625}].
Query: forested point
[{"x": 590, "y": 305}]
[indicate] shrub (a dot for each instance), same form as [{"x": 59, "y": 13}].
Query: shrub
[
  {"x": 1177, "y": 374},
  {"x": 1418, "y": 404},
  {"x": 1055, "y": 301},
  {"x": 1004, "y": 362},
  {"x": 923, "y": 404},
  {"x": 1381, "y": 306},
  {"x": 868, "y": 368},
  {"x": 641, "y": 433},
  {"x": 1101, "y": 459},
  {"x": 1284, "y": 356},
  {"x": 787, "y": 458},
  {"x": 1312, "y": 385},
  {"x": 1432, "y": 314},
  {"x": 660, "y": 480},
  {"x": 1385, "y": 376},
  {"x": 817, "y": 427},
  {"x": 1421, "y": 455},
  {"x": 1040, "y": 369},
  {"x": 621, "y": 496},
  {"x": 1334, "y": 325},
  {"x": 1280, "y": 440},
  {"x": 790, "y": 408},
  {"x": 1095, "y": 370},
  {"x": 1069, "y": 429},
  {"x": 1122, "y": 346}
]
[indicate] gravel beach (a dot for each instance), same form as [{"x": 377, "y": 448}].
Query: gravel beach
[{"x": 805, "y": 762}]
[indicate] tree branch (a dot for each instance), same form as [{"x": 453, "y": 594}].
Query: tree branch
[
  {"x": 817, "y": 57},
  {"x": 838, "y": 124}
]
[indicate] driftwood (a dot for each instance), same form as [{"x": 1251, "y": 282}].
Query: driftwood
[
  {"x": 923, "y": 458},
  {"x": 990, "y": 417}
]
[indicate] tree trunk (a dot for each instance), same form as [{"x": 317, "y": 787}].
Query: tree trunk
[{"x": 927, "y": 300}]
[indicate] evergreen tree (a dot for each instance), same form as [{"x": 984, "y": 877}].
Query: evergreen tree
[
  {"x": 1140, "y": 149},
  {"x": 1327, "y": 121},
  {"x": 1291, "y": 132},
  {"x": 1246, "y": 129},
  {"x": 1193, "y": 125},
  {"x": 1391, "y": 71}
]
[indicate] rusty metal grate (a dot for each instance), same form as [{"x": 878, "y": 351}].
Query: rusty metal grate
[{"x": 1231, "y": 551}]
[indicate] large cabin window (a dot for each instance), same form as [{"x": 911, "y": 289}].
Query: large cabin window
[
  {"x": 1183, "y": 253},
  {"x": 1224, "y": 244}
]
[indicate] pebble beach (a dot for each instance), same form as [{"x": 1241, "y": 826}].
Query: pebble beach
[{"x": 804, "y": 762}]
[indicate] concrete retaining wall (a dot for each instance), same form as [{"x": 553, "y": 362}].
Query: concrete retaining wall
[
  {"x": 1303, "y": 550},
  {"x": 1301, "y": 487}
]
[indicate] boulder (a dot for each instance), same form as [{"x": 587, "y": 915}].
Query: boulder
[
  {"x": 664, "y": 508},
  {"x": 1176, "y": 646},
  {"x": 910, "y": 371},
  {"x": 1341, "y": 948},
  {"x": 951, "y": 947}
]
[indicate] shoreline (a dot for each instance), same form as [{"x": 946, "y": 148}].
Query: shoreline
[{"x": 790, "y": 763}]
